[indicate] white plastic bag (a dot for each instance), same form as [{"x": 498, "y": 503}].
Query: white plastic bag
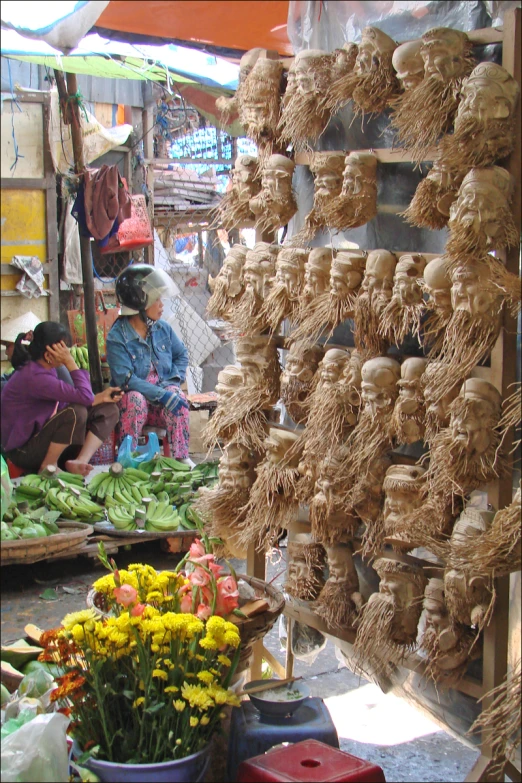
[{"x": 37, "y": 752}]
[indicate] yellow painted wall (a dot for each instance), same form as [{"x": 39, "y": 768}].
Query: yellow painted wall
[{"x": 23, "y": 229}]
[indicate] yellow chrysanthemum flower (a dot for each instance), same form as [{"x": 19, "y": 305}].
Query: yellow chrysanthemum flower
[
  {"x": 137, "y": 702},
  {"x": 78, "y": 633},
  {"x": 179, "y": 706},
  {"x": 197, "y": 696},
  {"x": 171, "y": 689},
  {"x": 105, "y": 584},
  {"x": 204, "y": 720},
  {"x": 209, "y": 643},
  {"x": 206, "y": 677},
  {"x": 159, "y": 674},
  {"x": 193, "y": 721},
  {"x": 224, "y": 660},
  {"x": 78, "y": 618}
]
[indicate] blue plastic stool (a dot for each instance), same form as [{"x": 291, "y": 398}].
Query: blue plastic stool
[{"x": 252, "y": 734}]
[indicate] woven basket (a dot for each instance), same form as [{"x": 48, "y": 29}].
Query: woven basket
[
  {"x": 31, "y": 550},
  {"x": 252, "y": 630}
]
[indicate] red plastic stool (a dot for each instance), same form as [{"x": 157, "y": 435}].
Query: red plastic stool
[
  {"x": 14, "y": 470},
  {"x": 308, "y": 762}
]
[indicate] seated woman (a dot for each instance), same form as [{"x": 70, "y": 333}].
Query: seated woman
[
  {"x": 147, "y": 360},
  {"x": 43, "y": 416}
]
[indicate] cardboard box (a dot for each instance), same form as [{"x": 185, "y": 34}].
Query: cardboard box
[{"x": 197, "y": 423}]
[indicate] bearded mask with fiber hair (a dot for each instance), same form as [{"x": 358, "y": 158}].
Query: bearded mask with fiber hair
[
  {"x": 283, "y": 298},
  {"x": 275, "y": 204},
  {"x": 234, "y": 208},
  {"x": 437, "y": 285},
  {"x": 437, "y": 409},
  {"x": 228, "y": 286},
  {"x": 446, "y": 643},
  {"x": 224, "y": 424},
  {"x": 333, "y": 306},
  {"x": 421, "y": 115},
  {"x": 222, "y": 506},
  {"x": 259, "y": 271},
  {"x": 485, "y": 122},
  {"x": 464, "y": 456},
  {"x": 497, "y": 551},
  {"x": 298, "y": 380},
  {"x": 468, "y": 593},
  {"x": 306, "y": 558},
  {"x": 313, "y": 294},
  {"x": 371, "y": 437},
  {"x": 272, "y": 504},
  {"x": 430, "y": 206},
  {"x": 327, "y": 168},
  {"x": 304, "y": 115},
  {"x": 340, "y": 601},
  {"x": 407, "y": 424},
  {"x": 473, "y": 328},
  {"x": 388, "y": 628},
  {"x": 259, "y": 101},
  {"x": 403, "y": 313},
  {"x": 404, "y": 492},
  {"x": 481, "y": 219},
  {"x": 357, "y": 201},
  {"x": 372, "y": 83},
  {"x": 328, "y": 422},
  {"x": 374, "y": 296},
  {"x": 330, "y": 523}
]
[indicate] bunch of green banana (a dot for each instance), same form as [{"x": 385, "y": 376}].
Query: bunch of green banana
[
  {"x": 189, "y": 517},
  {"x": 117, "y": 480},
  {"x": 38, "y": 484},
  {"x": 160, "y": 516},
  {"x": 160, "y": 463},
  {"x": 74, "y": 504},
  {"x": 80, "y": 354},
  {"x": 122, "y": 517}
]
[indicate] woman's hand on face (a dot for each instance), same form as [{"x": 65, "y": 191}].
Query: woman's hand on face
[
  {"x": 112, "y": 394},
  {"x": 59, "y": 354}
]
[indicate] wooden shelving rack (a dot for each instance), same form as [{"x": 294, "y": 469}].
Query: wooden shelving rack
[{"x": 501, "y": 373}]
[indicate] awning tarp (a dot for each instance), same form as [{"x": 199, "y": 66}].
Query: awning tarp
[{"x": 222, "y": 24}]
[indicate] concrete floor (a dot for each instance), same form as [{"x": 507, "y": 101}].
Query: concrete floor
[{"x": 381, "y": 728}]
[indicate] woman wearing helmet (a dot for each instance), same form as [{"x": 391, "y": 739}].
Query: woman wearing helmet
[{"x": 148, "y": 360}]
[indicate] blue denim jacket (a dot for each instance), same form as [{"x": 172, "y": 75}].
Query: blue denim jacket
[{"x": 130, "y": 357}]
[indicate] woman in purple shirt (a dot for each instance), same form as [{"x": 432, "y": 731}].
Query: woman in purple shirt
[{"x": 42, "y": 416}]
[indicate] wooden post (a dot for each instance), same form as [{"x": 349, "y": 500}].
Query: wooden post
[
  {"x": 148, "y": 148},
  {"x": 256, "y": 567},
  {"x": 91, "y": 330}
]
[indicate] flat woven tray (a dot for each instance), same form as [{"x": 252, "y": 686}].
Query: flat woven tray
[
  {"x": 146, "y": 535},
  {"x": 31, "y": 550}
]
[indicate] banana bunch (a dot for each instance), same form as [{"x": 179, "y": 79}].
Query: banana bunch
[
  {"x": 80, "y": 354},
  {"x": 36, "y": 485},
  {"x": 189, "y": 517},
  {"x": 160, "y": 463},
  {"x": 74, "y": 504},
  {"x": 160, "y": 516},
  {"x": 122, "y": 517},
  {"x": 117, "y": 481}
]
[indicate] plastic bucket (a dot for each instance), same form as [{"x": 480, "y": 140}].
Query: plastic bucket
[{"x": 190, "y": 769}]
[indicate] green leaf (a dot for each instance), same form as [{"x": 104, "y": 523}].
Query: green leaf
[
  {"x": 129, "y": 695},
  {"x": 49, "y": 595},
  {"x": 155, "y": 708}
]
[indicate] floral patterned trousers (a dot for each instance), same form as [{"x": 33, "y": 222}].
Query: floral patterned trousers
[{"x": 136, "y": 412}]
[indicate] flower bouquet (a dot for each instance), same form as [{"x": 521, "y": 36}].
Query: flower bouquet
[{"x": 146, "y": 683}]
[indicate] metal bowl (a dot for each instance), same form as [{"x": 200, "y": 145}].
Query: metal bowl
[{"x": 276, "y": 709}]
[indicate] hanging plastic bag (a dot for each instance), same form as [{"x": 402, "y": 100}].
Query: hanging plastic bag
[
  {"x": 37, "y": 751},
  {"x": 6, "y": 487},
  {"x": 133, "y": 458}
]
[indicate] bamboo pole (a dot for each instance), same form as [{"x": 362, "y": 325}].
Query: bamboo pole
[{"x": 91, "y": 331}]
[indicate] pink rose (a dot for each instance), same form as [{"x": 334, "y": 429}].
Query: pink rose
[
  {"x": 126, "y": 594},
  {"x": 186, "y": 604},
  {"x": 137, "y": 610},
  {"x": 199, "y": 577},
  {"x": 203, "y": 612}
]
